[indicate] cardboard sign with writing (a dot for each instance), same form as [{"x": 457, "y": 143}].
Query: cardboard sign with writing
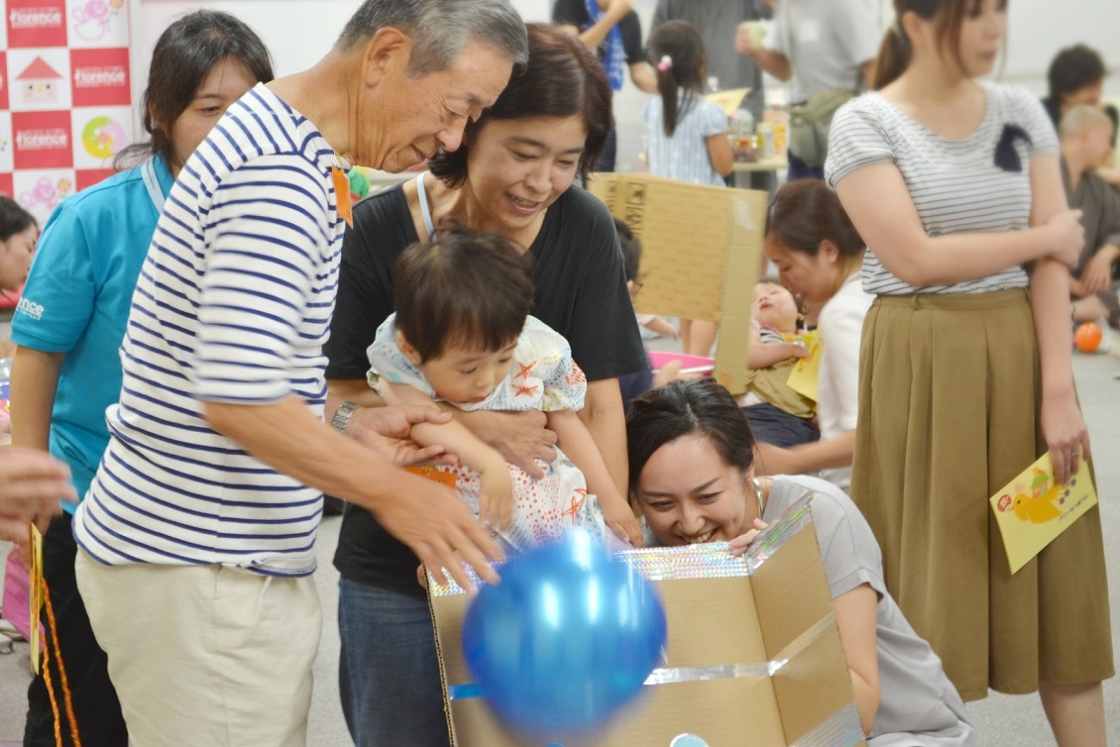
[
  {"x": 701, "y": 251},
  {"x": 1033, "y": 509}
]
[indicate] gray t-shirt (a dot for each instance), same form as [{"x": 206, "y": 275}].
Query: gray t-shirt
[
  {"x": 918, "y": 704},
  {"x": 826, "y": 41},
  {"x": 717, "y": 21}
]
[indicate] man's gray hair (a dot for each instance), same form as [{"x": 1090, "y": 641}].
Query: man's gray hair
[
  {"x": 1079, "y": 117},
  {"x": 440, "y": 29}
]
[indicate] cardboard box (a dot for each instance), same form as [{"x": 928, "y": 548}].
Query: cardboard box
[
  {"x": 702, "y": 253},
  {"x": 754, "y": 656}
]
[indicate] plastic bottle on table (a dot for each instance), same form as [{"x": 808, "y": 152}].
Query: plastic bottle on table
[
  {"x": 765, "y": 140},
  {"x": 744, "y": 127}
]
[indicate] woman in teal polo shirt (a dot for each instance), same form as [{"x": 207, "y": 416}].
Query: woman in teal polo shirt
[{"x": 67, "y": 368}]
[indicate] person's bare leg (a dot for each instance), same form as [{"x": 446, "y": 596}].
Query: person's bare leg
[
  {"x": 686, "y": 333},
  {"x": 701, "y": 338},
  {"x": 1075, "y": 712},
  {"x": 1089, "y": 309}
]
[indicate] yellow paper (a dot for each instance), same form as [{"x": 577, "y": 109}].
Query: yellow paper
[
  {"x": 803, "y": 378},
  {"x": 1033, "y": 508},
  {"x": 728, "y": 100}
]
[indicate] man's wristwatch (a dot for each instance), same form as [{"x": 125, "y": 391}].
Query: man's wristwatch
[{"x": 342, "y": 415}]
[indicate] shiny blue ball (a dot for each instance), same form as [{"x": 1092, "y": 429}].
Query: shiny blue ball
[{"x": 565, "y": 640}]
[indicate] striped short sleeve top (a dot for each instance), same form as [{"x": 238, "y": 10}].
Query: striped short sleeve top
[
  {"x": 232, "y": 305},
  {"x": 958, "y": 186},
  {"x": 684, "y": 156}
]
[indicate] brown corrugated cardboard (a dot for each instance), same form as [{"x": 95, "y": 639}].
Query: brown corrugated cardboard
[
  {"x": 753, "y": 655},
  {"x": 702, "y": 249}
]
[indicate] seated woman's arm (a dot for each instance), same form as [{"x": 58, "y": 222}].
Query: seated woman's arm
[
  {"x": 495, "y": 485},
  {"x": 828, "y": 453},
  {"x": 762, "y": 354},
  {"x": 857, "y": 618},
  {"x": 766, "y": 354},
  {"x": 577, "y": 444},
  {"x": 856, "y": 612}
]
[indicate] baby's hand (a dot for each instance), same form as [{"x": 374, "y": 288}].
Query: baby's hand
[
  {"x": 495, "y": 499},
  {"x": 739, "y": 545},
  {"x": 621, "y": 520},
  {"x": 798, "y": 350}
]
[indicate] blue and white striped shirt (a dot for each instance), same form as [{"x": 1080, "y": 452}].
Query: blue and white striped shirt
[{"x": 233, "y": 305}]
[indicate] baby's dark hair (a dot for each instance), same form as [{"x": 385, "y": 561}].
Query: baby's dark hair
[
  {"x": 462, "y": 289},
  {"x": 631, "y": 250}
]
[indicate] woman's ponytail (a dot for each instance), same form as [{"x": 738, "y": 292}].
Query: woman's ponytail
[{"x": 894, "y": 57}]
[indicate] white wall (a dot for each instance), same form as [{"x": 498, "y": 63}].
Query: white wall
[{"x": 299, "y": 32}]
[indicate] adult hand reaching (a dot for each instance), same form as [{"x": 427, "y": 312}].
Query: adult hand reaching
[
  {"x": 429, "y": 518},
  {"x": 739, "y": 545},
  {"x": 1098, "y": 270},
  {"x": 385, "y": 431},
  {"x": 32, "y": 483},
  {"x": 1066, "y": 435},
  {"x": 745, "y": 39},
  {"x": 1067, "y": 236}
]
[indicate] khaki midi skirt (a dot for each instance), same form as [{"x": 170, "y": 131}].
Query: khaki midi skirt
[{"x": 950, "y": 394}]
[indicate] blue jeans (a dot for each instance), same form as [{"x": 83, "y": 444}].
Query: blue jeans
[{"x": 388, "y": 674}]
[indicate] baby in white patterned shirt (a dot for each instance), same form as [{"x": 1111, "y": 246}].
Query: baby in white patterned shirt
[{"x": 462, "y": 334}]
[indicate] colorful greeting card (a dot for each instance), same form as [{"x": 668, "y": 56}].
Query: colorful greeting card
[
  {"x": 803, "y": 378},
  {"x": 1034, "y": 508}
]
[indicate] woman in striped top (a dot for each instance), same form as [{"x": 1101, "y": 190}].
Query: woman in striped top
[
  {"x": 965, "y": 370},
  {"x": 686, "y": 135}
]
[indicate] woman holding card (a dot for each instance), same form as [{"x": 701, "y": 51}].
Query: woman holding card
[{"x": 965, "y": 371}]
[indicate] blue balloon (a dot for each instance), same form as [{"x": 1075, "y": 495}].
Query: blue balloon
[{"x": 565, "y": 640}]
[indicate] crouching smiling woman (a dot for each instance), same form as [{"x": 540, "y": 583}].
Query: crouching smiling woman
[{"x": 691, "y": 471}]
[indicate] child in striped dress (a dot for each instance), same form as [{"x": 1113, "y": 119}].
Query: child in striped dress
[
  {"x": 462, "y": 335},
  {"x": 686, "y": 135}
]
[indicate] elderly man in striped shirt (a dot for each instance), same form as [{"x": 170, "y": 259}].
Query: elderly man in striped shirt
[{"x": 197, "y": 536}]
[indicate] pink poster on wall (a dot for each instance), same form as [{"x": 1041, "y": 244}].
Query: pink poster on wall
[{"x": 65, "y": 97}]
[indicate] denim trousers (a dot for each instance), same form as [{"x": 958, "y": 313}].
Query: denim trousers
[{"x": 388, "y": 674}]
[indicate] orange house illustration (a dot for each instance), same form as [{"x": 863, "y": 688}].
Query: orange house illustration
[{"x": 38, "y": 83}]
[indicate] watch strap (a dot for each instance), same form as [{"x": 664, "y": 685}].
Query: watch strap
[{"x": 342, "y": 415}]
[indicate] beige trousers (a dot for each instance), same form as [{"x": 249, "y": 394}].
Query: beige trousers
[{"x": 205, "y": 655}]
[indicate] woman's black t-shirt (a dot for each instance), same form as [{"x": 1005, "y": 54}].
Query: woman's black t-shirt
[{"x": 580, "y": 292}]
